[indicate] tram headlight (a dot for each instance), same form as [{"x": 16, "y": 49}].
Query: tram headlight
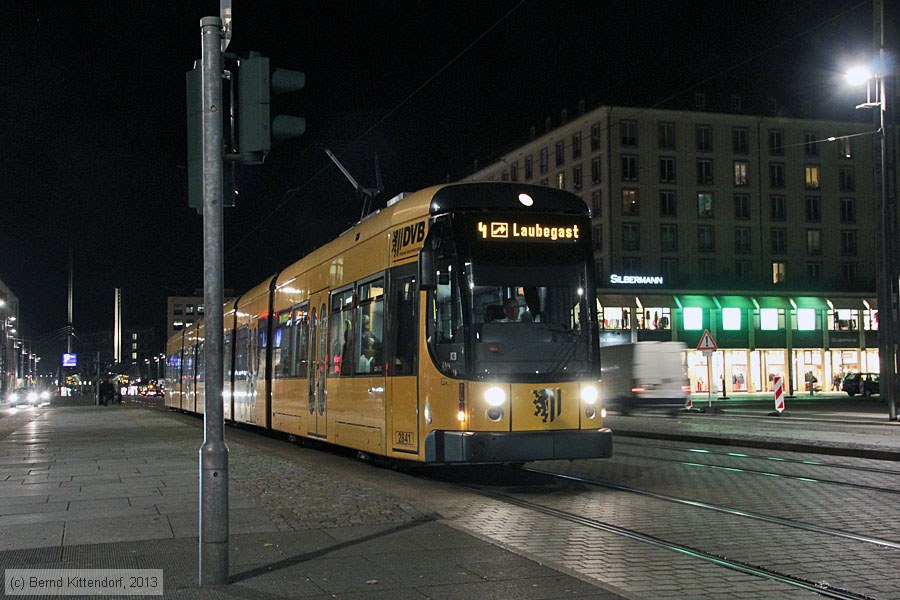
[
  {"x": 589, "y": 394},
  {"x": 495, "y": 396}
]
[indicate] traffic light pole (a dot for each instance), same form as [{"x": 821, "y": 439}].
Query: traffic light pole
[{"x": 214, "y": 452}]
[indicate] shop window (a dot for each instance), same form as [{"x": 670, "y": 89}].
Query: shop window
[
  {"x": 843, "y": 319},
  {"x": 768, "y": 319},
  {"x": 693, "y": 318},
  {"x": 806, "y": 319},
  {"x": 615, "y": 317},
  {"x": 731, "y": 319},
  {"x": 655, "y": 318}
]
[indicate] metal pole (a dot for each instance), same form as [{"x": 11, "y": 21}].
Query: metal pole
[
  {"x": 887, "y": 319},
  {"x": 214, "y": 452}
]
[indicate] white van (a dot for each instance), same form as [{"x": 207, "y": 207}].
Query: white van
[{"x": 645, "y": 375}]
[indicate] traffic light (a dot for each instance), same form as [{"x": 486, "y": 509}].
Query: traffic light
[
  {"x": 195, "y": 145},
  {"x": 194, "y": 139},
  {"x": 256, "y": 127}
]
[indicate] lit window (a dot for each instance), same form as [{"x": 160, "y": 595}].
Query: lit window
[
  {"x": 812, "y": 177},
  {"x": 731, "y": 319},
  {"x": 693, "y": 319},
  {"x": 768, "y": 319},
  {"x": 806, "y": 319}
]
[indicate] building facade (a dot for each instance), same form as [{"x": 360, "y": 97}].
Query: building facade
[
  {"x": 760, "y": 229},
  {"x": 10, "y": 370},
  {"x": 182, "y": 311}
]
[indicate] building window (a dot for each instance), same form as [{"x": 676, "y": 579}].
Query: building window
[
  {"x": 561, "y": 180},
  {"x": 576, "y": 145},
  {"x": 814, "y": 272},
  {"x": 813, "y": 209},
  {"x": 668, "y": 238},
  {"x": 631, "y": 236},
  {"x": 504, "y": 175},
  {"x": 706, "y": 267},
  {"x": 704, "y": 171},
  {"x": 779, "y": 240},
  {"x": 529, "y": 168},
  {"x": 666, "y": 132},
  {"x": 814, "y": 241},
  {"x": 669, "y": 268},
  {"x": 779, "y": 212},
  {"x": 810, "y": 145},
  {"x": 630, "y": 202},
  {"x": 739, "y": 143},
  {"x": 704, "y": 138},
  {"x": 741, "y": 206},
  {"x": 742, "y": 240},
  {"x": 667, "y": 170},
  {"x": 779, "y": 272},
  {"x": 812, "y": 177},
  {"x": 598, "y": 238},
  {"x": 706, "y": 239},
  {"x": 848, "y": 210},
  {"x": 629, "y": 167},
  {"x": 699, "y": 100},
  {"x": 595, "y": 137},
  {"x": 595, "y": 170},
  {"x": 740, "y": 173},
  {"x": 597, "y": 203},
  {"x": 560, "y": 153},
  {"x": 704, "y": 204},
  {"x": 771, "y": 105},
  {"x": 844, "y": 150},
  {"x": 667, "y": 204},
  {"x": 189, "y": 309},
  {"x": 742, "y": 270},
  {"x": 848, "y": 273},
  {"x": 178, "y": 325},
  {"x": 177, "y": 309},
  {"x": 776, "y": 175},
  {"x": 631, "y": 264},
  {"x": 846, "y": 179},
  {"x": 735, "y": 103},
  {"x": 848, "y": 242},
  {"x": 628, "y": 129},
  {"x": 576, "y": 178},
  {"x": 514, "y": 171},
  {"x": 776, "y": 142},
  {"x": 545, "y": 161}
]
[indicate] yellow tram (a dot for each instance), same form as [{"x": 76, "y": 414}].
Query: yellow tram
[{"x": 392, "y": 339}]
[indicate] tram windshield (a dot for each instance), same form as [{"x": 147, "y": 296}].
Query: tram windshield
[{"x": 517, "y": 310}]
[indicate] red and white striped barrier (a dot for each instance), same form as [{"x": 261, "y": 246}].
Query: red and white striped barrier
[{"x": 779, "y": 394}]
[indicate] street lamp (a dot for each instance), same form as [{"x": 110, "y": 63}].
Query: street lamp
[{"x": 876, "y": 97}]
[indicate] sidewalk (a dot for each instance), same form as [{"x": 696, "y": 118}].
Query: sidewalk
[{"x": 86, "y": 487}]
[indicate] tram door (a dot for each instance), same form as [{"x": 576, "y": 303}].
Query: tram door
[{"x": 318, "y": 355}]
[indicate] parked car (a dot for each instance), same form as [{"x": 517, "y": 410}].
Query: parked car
[{"x": 864, "y": 384}]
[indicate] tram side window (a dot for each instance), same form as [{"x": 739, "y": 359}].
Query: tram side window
[
  {"x": 340, "y": 334},
  {"x": 262, "y": 327},
  {"x": 241, "y": 353},
  {"x": 201, "y": 368},
  {"x": 301, "y": 335},
  {"x": 282, "y": 344},
  {"x": 403, "y": 329},
  {"x": 227, "y": 350},
  {"x": 369, "y": 342}
]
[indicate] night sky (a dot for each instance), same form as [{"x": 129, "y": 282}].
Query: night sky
[{"x": 93, "y": 102}]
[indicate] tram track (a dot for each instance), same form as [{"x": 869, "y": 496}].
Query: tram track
[
  {"x": 777, "y": 459},
  {"x": 792, "y": 523},
  {"x": 821, "y": 588}
]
